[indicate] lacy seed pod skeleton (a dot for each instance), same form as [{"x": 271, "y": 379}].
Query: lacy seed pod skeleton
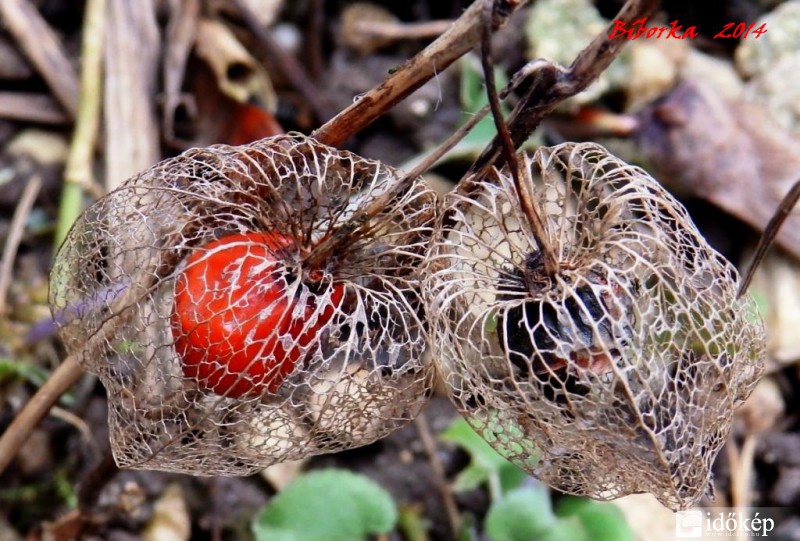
[
  {"x": 249, "y": 305},
  {"x": 620, "y": 372}
]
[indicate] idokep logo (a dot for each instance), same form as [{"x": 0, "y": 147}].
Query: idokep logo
[{"x": 707, "y": 524}]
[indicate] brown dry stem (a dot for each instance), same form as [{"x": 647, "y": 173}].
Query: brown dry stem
[
  {"x": 30, "y": 107},
  {"x": 41, "y": 46},
  {"x": 132, "y": 49},
  {"x": 400, "y": 31},
  {"x": 552, "y": 84},
  {"x": 509, "y": 152},
  {"x": 64, "y": 377},
  {"x": 462, "y": 36},
  {"x": 768, "y": 237},
  {"x": 446, "y": 491},
  {"x": 16, "y": 230}
]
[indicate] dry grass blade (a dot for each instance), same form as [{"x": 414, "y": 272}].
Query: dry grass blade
[
  {"x": 15, "y": 233},
  {"x": 131, "y": 67},
  {"x": 42, "y": 47}
]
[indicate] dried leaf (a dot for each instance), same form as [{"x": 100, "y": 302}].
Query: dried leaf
[
  {"x": 238, "y": 74},
  {"x": 729, "y": 153}
]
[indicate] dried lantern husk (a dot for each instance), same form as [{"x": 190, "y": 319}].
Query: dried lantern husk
[
  {"x": 620, "y": 373},
  {"x": 363, "y": 373}
]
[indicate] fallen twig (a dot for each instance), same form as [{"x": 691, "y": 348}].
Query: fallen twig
[
  {"x": 27, "y": 107},
  {"x": 64, "y": 377},
  {"x": 41, "y": 46},
  {"x": 462, "y": 36},
  {"x": 15, "y": 236},
  {"x": 551, "y": 84}
]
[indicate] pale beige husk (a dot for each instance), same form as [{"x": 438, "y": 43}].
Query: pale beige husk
[
  {"x": 641, "y": 350},
  {"x": 112, "y": 293}
]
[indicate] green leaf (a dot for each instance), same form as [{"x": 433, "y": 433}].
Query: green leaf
[
  {"x": 487, "y": 465},
  {"x": 14, "y": 368},
  {"x": 602, "y": 521},
  {"x": 412, "y": 524},
  {"x": 524, "y": 514},
  {"x": 334, "y": 505}
]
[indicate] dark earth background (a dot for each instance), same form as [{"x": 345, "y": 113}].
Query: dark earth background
[{"x": 66, "y": 457}]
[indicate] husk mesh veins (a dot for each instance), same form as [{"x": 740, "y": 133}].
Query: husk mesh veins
[
  {"x": 619, "y": 374},
  {"x": 365, "y": 371}
]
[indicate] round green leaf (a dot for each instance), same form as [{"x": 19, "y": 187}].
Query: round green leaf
[
  {"x": 335, "y": 505},
  {"x": 601, "y": 521},
  {"x": 521, "y": 515}
]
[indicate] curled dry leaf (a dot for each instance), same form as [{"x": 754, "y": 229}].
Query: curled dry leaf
[
  {"x": 772, "y": 64},
  {"x": 620, "y": 373},
  {"x": 723, "y": 152},
  {"x": 238, "y": 74},
  {"x": 229, "y": 331}
]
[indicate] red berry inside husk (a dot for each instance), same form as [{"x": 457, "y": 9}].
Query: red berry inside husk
[{"x": 237, "y": 319}]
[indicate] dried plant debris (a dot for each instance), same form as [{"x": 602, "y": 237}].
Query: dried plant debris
[
  {"x": 250, "y": 305},
  {"x": 776, "y": 285},
  {"x": 772, "y": 65},
  {"x": 755, "y": 57},
  {"x": 723, "y": 152},
  {"x": 620, "y": 373}
]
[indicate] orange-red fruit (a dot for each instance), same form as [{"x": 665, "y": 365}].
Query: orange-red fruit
[{"x": 238, "y": 328}]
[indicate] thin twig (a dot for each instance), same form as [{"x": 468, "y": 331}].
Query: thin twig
[
  {"x": 70, "y": 371},
  {"x": 313, "y": 41},
  {"x": 462, "y": 36},
  {"x": 342, "y": 235},
  {"x": 16, "y": 230},
  {"x": 439, "y": 152},
  {"x": 400, "y": 31},
  {"x": 40, "y": 44},
  {"x": 64, "y": 377},
  {"x": 78, "y": 173},
  {"x": 446, "y": 491},
  {"x": 552, "y": 84},
  {"x": 79, "y": 424},
  {"x": 768, "y": 236},
  {"x": 535, "y": 220},
  {"x": 30, "y": 107},
  {"x": 289, "y": 66}
]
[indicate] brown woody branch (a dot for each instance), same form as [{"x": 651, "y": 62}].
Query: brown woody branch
[
  {"x": 463, "y": 35},
  {"x": 551, "y": 84}
]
